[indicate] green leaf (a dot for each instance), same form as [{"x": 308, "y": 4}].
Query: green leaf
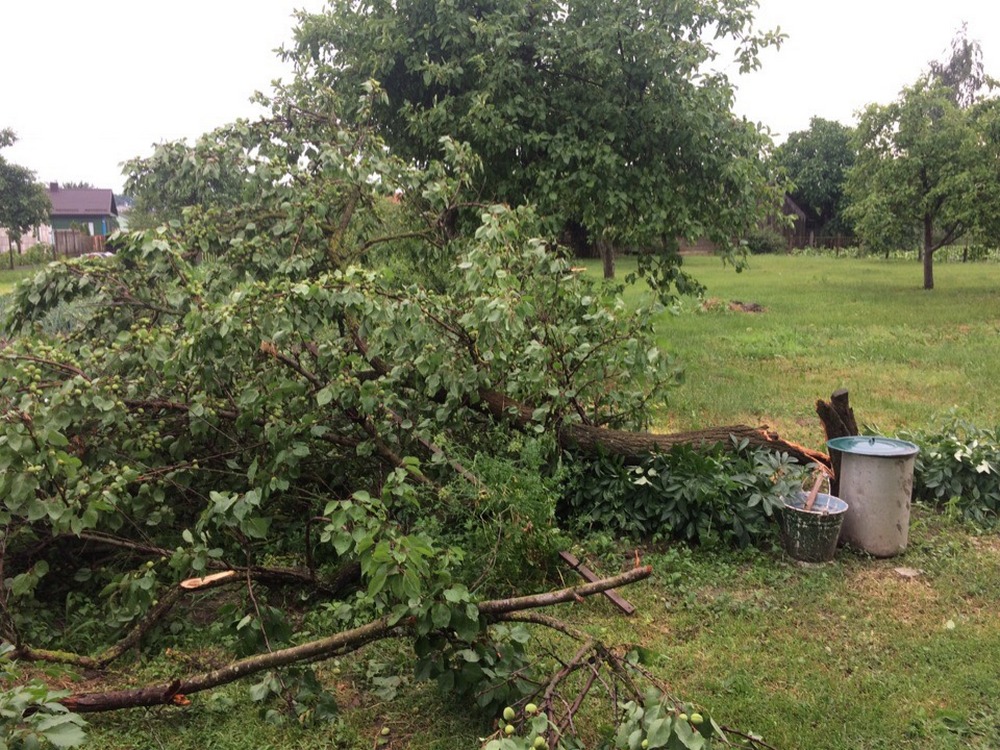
[{"x": 65, "y": 730}]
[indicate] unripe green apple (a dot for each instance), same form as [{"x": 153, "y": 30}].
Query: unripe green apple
[
  {"x": 697, "y": 718},
  {"x": 509, "y": 729},
  {"x": 530, "y": 708},
  {"x": 509, "y": 713}
]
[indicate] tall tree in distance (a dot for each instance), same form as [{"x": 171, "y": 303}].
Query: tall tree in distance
[
  {"x": 817, "y": 161},
  {"x": 926, "y": 168},
  {"x": 606, "y": 115},
  {"x": 962, "y": 73},
  {"x": 23, "y": 202}
]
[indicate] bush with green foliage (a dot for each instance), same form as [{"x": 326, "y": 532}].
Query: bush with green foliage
[
  {"x": 36, "y": 255},
  {"x": 702, "y": 496},
  {"x": 30, "y": 716},
  {"x": 765, "y": 241},
  {"x": 957, "y": 469}
]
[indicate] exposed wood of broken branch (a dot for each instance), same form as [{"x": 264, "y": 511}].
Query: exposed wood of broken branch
[
  {"x": 838, "y": 420},
  {"x": 346, "y": 577}
]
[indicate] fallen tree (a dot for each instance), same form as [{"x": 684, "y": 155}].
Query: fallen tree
[{"x": 343, "y": 390}]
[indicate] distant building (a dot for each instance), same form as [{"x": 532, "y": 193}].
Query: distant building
[
  {"x": 82, "y": 218},
  {"x": 80, "y": 222}
]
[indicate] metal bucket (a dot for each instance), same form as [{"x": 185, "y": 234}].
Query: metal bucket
[
  {"x": 811, "y": 535},
  {"x": 876, "y": 480}
]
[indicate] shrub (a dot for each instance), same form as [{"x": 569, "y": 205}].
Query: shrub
[
  {"x": 957, "y": 468},
  {"x": 35, "y": 255},
  {"x": 766, "y": 242},
  {"x": 706, "y": 495}
]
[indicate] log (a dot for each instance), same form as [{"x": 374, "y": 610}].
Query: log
[
  {"x": 636, "y": 445},
  {"x": 838, "y": 420}
]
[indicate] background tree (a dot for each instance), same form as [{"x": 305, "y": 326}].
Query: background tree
[
  {"x": 926, "y": 169},
  {"x": 23, "y": 203},
  {"x": 606, "y": 115},
  {"x": 817, "y": 161},
  {"x": 211, "y": 173},
  {"x": 963, "y": 72}
]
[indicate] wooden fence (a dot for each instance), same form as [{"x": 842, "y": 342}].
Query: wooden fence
[{"x": 70, "y": 243}]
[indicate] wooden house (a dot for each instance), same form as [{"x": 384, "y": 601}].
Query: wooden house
[{"x": 82, "y": 218}]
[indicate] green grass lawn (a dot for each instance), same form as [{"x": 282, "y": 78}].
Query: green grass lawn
[
  {"x": 906, "y": 355},
  {"x": 850, "y": 655},
  {"x": 844, "y": 656},
  {"x": 9, "y": 278}
]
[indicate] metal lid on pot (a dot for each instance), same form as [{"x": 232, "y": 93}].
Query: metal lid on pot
[{"x": 873, "y": 445}]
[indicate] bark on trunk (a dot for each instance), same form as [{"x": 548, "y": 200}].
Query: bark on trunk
[
  {"x": 635, "y": 445},
  {"x": 608, "y": 258},
  {"x": 928, "y": 254}
]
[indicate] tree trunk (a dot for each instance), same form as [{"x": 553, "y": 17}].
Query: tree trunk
[
  {"x": 607, "y": 250},
  {"x": 928, "y": 253},
  {"x": 635, "y": 445},
  {"x": 590, "y": 439}
]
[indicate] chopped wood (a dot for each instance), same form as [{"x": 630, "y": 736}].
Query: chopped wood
[{"x": 588, "y": 574}]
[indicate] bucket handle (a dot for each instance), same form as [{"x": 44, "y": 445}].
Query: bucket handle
[{"x": 821, "y": 474}]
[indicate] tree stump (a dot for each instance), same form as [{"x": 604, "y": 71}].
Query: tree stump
[{"x": 838, "y": 420}]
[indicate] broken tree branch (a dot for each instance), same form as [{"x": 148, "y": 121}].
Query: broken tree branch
[{"x": 323, "y": 648}]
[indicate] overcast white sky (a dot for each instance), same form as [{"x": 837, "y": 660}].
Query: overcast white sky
[{"x": 87, "y": 85}]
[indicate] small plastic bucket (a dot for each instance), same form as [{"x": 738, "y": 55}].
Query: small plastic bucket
[{"x": 811, "y": 535}]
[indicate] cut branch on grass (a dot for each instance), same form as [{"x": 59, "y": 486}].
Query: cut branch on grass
[
  {"x": 347, "y": 577},
  {"x": 324, "y": 648}
]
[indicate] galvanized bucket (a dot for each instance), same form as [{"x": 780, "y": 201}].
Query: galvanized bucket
[
  {"x": 876, "y": 480},
  {"x": 811, "y": 535}
]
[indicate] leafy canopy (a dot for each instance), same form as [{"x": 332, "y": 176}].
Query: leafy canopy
[
  {"x": 927, "y": 169},
  {"x": 608, "y": 116},
  {"x": 817, "y": 161},
  {"x": 23, "y": 202},
  {"x": 298, "y": 386}
]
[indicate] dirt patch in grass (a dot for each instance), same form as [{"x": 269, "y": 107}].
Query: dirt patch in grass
[
  {"x": 988, "y": 545},
  {"x": 911, "y": 600}
]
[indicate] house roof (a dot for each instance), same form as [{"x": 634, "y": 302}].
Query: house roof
[{"x": 82, "y": 201}]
